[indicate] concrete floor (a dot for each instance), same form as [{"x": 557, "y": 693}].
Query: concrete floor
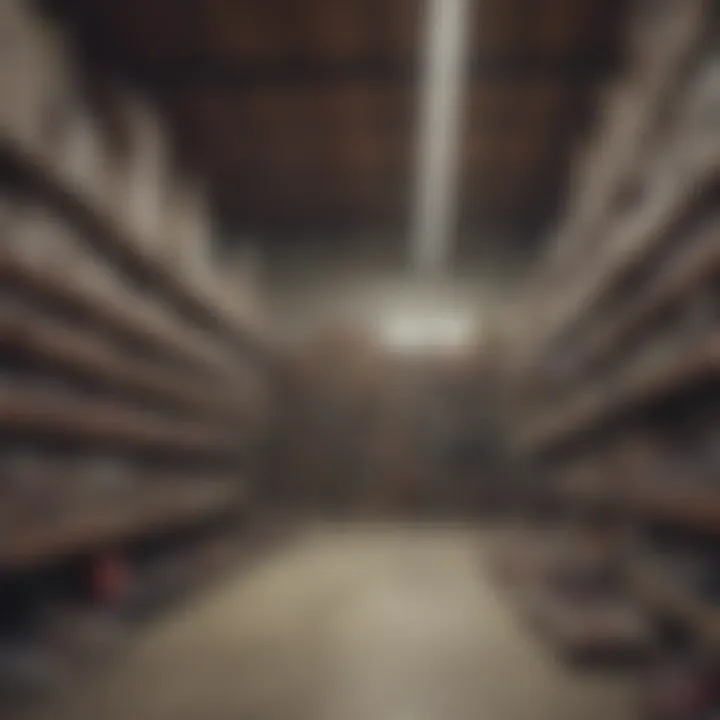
[{"x": 369, "y": 623}]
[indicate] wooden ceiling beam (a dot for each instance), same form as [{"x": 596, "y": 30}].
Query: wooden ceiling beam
[
  {"x": 267, "y": 223},
  {"x": 281, "y": 73}
]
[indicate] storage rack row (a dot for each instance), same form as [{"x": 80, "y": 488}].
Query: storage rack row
[
  {"x": 617, "y": 414},
  {"x": 164, "y": 411}
]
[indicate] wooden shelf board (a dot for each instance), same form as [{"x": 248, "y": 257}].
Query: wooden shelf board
[
  {"x": 698, "y": 268},
  {"x": 116, "y": 318},
  {"x": 112, "y": 236},
  {"x": 673, "y": 376},
  {"x": 111, "y": 526},
  {"x": 664, "y": 596},
  {"x": 85, "y": 420},
  {"x": 692, "y": 507},
  {"x": 32, "y": 333},
  {"x": 633, "y": 243}
]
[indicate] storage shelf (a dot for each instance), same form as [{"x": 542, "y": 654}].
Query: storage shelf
[
  {"x": 97, "y": 529},
  {"x": 31, "y": 333},
  {"x": 665, "y": 596},
  {"x": 695, "y": 508},
  {"x": 686, "y": 503},
  {"x": 642, "y": 387},
  {"x": 116, "y": 318},
  {"x": 609, "y": 625},
  {"x": 112, "y": 236},
  {"x": 30, "y": 412},
  {"x": 670, "y": 287},
  {"x": 622, "y": 147},
  {"x": 634, "y": 242}
]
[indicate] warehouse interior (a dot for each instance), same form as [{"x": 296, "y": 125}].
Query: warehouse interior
[{"x": 359, "y": 359}]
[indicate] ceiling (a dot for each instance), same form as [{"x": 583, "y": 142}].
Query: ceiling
[{"x": 301, "y": 113}]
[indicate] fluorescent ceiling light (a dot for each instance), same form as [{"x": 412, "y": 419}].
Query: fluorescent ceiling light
[
  {"x": 428, "y": 331},
  {"x": 447, "y": 24}
]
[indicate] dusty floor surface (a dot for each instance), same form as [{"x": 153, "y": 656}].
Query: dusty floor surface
[{"x": 355, "y": 624}]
